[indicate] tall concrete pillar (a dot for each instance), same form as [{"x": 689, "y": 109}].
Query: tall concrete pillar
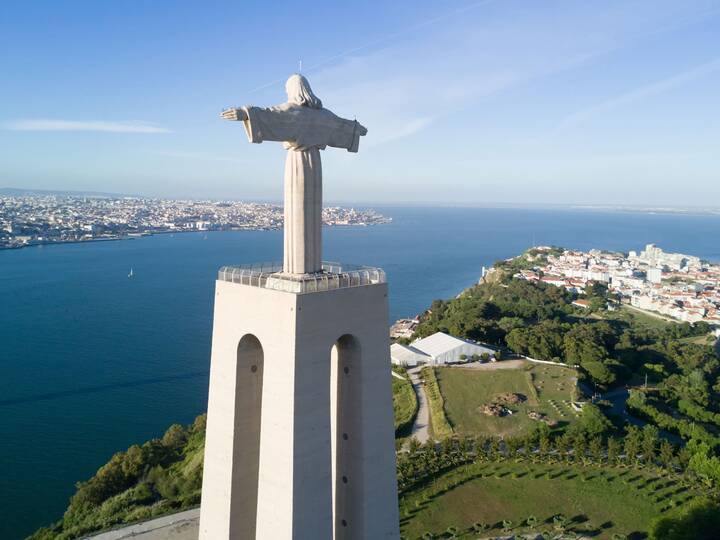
[{"x": 300, "y": 438}]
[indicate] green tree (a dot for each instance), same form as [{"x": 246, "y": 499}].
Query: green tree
[
  {"x": 175, "y": 437},
  {"x": 698, "y": 521},
  {"x": 596, "y": 449},
  {"x": 667, "y": 453},
  {"x": 704, "y": 463},
  {"x": 579, "y": 445},
  {"x": 587, "y": 343},
  {"x": 479, "y": 527},
  {"x": 650, "y": 439},
  {"x": 591, "y": 423},
  {"x": 613, "y": 450},
  {"x": 633, "y": 443},
  {"x": 599, "y": 372}
]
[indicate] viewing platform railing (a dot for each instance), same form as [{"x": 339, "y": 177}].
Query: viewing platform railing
[{"x": 333, "y": 276}]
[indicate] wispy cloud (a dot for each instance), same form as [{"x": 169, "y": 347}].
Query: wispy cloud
[
  {"x": 476, "y": 55},
  {"x": 83, "y": 125},
  {"x": 405, "y": 129},
  {"x": 198, "y": 156},
  {"x": 639, "y": 94}
]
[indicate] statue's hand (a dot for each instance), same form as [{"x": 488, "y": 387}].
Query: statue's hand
[{"x": 234, "y": 114}]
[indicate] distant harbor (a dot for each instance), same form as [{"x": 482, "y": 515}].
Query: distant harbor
[{"x": 40, "y": 219}]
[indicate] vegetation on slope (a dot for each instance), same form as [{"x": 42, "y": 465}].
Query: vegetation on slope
[
  {"x": 698, "y": 521},
  {"x": 612, "y": 349},
  {"x": 600, "y": 488},
  {"x": 405, "y": 404},
  {"x": 439, "y": 426},
  {"x": 161, "y": 476},
  {"x": 539, "y": 321}
]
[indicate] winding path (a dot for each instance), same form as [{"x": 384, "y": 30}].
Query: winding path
[{"x": 420, "y": 429}]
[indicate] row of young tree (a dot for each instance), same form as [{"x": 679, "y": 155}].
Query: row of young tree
[
  {"x": 639, "y": 447},
  {"x": 689, "y": 466}
]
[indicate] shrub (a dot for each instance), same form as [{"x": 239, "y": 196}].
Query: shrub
[{"x": 440, "y": 426}]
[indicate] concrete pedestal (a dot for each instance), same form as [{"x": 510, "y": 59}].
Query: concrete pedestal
[{"x": 300, "y": 441}]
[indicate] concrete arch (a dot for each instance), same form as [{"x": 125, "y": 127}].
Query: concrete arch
[
  {"x": 345, "y": 432},
  {"x": 246, "y": 445}
]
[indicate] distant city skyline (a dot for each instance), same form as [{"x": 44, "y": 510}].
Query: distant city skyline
[{"x": 485, "y": 102}]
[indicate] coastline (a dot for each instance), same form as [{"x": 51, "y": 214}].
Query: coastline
[{"x": 133, "y": 236}]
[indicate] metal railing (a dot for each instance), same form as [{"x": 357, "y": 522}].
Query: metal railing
[{"x": 333, "y": 276}]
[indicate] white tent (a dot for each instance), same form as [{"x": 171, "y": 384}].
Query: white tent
[
  {"x": 445, "y": 349},
  {"x": 401, "y": 355}
]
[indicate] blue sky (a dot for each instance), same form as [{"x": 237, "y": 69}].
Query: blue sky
[{"x": 607, "y": 102}]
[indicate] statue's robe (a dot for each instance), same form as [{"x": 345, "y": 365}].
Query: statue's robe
[{"x": 304, "y": 132}]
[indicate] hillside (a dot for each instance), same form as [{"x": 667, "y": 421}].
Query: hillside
[
  {"x": 162, "y": 476},
  {"x": 640, "y": 459}
]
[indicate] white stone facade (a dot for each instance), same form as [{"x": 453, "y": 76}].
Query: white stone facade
[{"x": 300, "y": 433}]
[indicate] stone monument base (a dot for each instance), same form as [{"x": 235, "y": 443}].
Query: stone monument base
[{"x": 300, "y": 408}]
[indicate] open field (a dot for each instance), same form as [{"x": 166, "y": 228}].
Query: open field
[
  {"x": 638, "y": 316},
  {"x": 707, "y": 339},
  {"x": 549, "y": 390},
  {"x": 597, "y": 501}
]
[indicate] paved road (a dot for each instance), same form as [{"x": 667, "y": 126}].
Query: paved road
[
  {"x": 181, "y": 526},
  {"x": 422, "y": 420}
]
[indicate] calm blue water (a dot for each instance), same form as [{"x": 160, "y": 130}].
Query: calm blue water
[{"x": 93, "y": 361}]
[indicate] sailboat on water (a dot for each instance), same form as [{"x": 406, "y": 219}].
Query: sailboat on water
[{"x": 131, "y": 274}]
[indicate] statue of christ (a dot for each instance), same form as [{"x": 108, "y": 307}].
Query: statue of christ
[{"x": 304, "y": 127}]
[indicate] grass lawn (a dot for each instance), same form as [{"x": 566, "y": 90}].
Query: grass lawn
[
  {"x": 404, "y": 405},
  {"x": 548, "y": 390},
  {"x": 597, "y": 501},
  {"x": 633, "y": 315},
  {"x": 707, "y": 339}
]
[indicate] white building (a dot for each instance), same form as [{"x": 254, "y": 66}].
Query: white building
[
  {"x": 441, "y": 349},
  {"x": 654, "y": 275},
  {"x": 402, "y": 355}
]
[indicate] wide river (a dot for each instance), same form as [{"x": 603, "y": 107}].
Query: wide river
[{"x": 93, "y": 361}]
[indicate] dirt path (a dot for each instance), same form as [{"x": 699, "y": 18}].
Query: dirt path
[
  {"x": 490, "y": 366},
  {"x": 420, "y": 429}
]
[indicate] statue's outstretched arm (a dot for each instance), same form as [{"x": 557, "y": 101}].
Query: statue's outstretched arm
[{"x": 234, "y": 114}]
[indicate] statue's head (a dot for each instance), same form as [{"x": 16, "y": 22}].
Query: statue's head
[{"x": 299, "y": 92}]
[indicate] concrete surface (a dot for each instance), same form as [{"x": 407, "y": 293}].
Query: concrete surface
[
  {"x": 300, "y": 437},
  {"x": 180, "y": 526}
]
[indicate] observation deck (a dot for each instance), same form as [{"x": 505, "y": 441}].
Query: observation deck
[{"x": 333, "y": 276}]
